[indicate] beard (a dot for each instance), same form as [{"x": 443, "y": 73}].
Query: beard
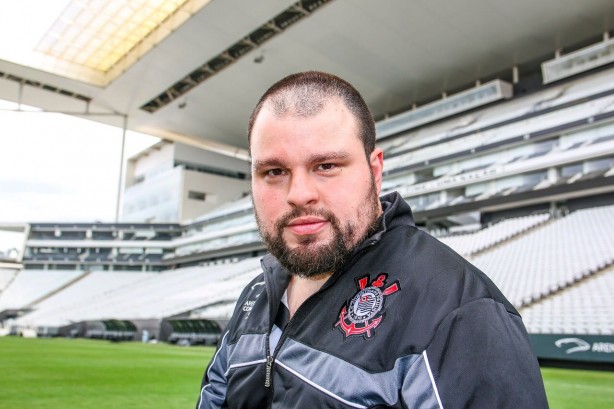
[{"x": 311, "y": 258}]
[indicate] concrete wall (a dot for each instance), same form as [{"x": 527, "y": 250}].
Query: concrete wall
[
  {"x": 217, "y": 189},
  {"x": 156, "y": 191},
  {"x": 190, "y": 154},
  {"x": 149, "y": 163},
  {"x": 157, "y": 199}
]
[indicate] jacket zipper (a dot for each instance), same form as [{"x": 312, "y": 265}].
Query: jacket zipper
[
  {"x": 269, "y": 367},
  {"x": 270, "y": 359}
]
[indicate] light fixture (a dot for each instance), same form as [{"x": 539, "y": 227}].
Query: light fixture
[
  {"x": 579, "y": 61},
  {"x": 259, "y": 58},
  {"x": 463, "y": 101}
]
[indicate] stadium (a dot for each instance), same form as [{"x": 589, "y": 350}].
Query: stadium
[{"x": 497, "y": 125}]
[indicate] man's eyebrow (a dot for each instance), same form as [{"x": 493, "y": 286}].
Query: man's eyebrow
[
  {"x": 273, "y": 162},
  {"x": 315, "y": 158},
  {"x": 323, "y": 157}
]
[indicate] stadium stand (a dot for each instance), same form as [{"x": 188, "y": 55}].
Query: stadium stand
[
  {"x": 99, "y": 246},
  {"x": 6, "y": 276},
  {"x": 469, "y": 244},
  {"x": 30, "y": 286},
  {"x": 545, "y": 267},
  {"x": 145, "y": 295},
  {"x": 585, "y": 308},
  {"x": 95, "y": 284},
  {"x": 227, "y": 236},
  {"x": 552, "y": 257},
  {"x": 529, "y": 146},
  {"x": 508, "y": 117}
]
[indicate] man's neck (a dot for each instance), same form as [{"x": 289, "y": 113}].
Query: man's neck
[{"x": 301, "y": 288}]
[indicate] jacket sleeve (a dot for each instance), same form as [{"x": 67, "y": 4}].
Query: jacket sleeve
[
  {"x": 214, "y": 383},
  {"x": 480, "y": 357}
]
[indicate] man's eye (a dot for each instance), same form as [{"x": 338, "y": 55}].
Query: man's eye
[
  {"x": 274, "y": 172},
  {"x": 327, "y": 166}
]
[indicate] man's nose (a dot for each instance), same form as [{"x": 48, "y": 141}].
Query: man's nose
[{"x": 303, "y": 190}]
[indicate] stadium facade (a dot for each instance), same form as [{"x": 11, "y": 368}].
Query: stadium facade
[{"x": 176, "y": 183}]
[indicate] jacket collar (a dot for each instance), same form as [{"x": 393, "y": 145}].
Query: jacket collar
[{"x": 396, "y": 212}]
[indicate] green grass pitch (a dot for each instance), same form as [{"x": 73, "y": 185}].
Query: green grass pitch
[
  {"x": 62, "y": 373},
  {"x": 83, "y": 374}
]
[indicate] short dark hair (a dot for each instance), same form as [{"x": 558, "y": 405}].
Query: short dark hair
[{"x": 306, "y": 93}]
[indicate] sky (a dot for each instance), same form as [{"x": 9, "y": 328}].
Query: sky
[
  {"x": 56, "y": 167},
  {"x": 53, "y": 167},
  {"x": 21, "y": 29}
]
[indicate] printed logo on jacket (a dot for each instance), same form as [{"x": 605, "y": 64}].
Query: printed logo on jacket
[{"x": 365, "y": 311}]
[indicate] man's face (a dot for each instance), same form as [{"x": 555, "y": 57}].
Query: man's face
[{"x": 314, "y": 192}]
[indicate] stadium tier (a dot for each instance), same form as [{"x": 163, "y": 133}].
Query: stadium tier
[
  {"x": 528, "y": 257},
  {"x": 469, "y": 244},
  {"x": 31, "y": 286},
  {"x": 585, "y": 308},
  {"x": 553, "y": 257},
  {"x": 50, "y": 311},
  {"x": 530, "y": 147},
  {"x": 138, "y": 296},
  {"x": 99, "y": 246},
  {"x": 6, "y": 276}
]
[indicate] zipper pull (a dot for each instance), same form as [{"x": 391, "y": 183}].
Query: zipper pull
[{"x": 267, "y": 375}]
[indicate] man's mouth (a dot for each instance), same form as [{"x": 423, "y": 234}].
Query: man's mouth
[{"x": 306, "y": 225}]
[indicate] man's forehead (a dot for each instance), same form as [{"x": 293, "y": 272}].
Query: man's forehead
[
  {"x": 296, "y": 104},
  {"x": 333, "y": 119}
]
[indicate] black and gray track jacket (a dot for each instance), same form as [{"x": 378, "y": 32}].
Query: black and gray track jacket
[{"x": 407, "y": 324}]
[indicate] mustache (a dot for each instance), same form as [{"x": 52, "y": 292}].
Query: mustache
[{"x": 302, "y": 212}]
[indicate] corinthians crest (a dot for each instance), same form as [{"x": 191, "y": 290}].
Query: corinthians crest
[{"x": 364, "y": 312}]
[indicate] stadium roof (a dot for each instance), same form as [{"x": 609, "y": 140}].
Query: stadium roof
[{"x": 191, "y": 70}]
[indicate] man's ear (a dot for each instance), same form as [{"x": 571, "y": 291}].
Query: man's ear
[{"x": 376, "y": 161}]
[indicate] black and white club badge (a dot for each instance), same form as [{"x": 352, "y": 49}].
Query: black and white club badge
[{"x": 365, "y": 311}]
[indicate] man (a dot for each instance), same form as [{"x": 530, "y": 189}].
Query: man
[{"x": 356, "y": 307}]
